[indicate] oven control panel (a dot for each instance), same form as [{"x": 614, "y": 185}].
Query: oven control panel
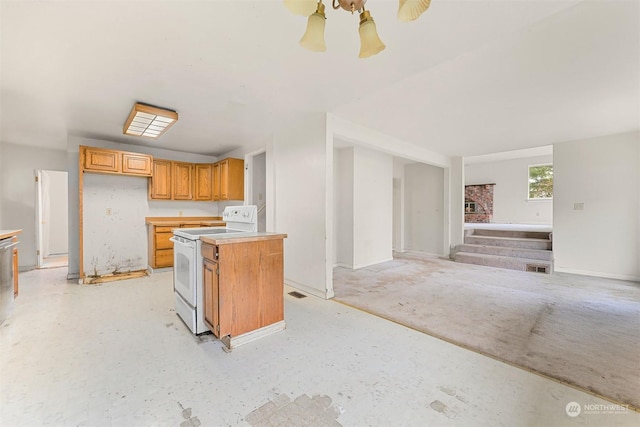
[{"x": 242, "y": 214}]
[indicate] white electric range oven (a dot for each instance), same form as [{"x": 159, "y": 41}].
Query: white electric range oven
[{"x": 188, "y": 262}]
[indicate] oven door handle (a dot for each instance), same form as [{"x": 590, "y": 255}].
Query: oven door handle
[{"x": 188, "y": 245}]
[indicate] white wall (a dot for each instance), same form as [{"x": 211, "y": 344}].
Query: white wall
[
  {"x": 510, "y": 197},
  {"x": 259, "y": 187},
  {"x": 115, "y": 241},
  {"x": 372, "y": 207},
  {"x": 300, "y": 167},
  {"x": 17, "y": 180},
  {"x": 424, "y": 204},
  {"x": 343, "y": 207},
  {"x": 132, "y": 206},
  {"x": 454, "y": 204},
  {"x": 603, "y": 239},
  {"x": 55, "y": 212},
  {"x": 372, "y": 139}
]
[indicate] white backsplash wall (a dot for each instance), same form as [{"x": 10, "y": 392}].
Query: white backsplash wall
[
  {"x": 177, "y": 208},
  {"x": 114, "y": 231}
]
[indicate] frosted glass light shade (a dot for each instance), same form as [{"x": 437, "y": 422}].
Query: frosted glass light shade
[
  {"x": 301, "y": 7},
  {"x": 149, "y": 121},
  {"x": 409, "y": 10},
  {"x": 313, "y": 38},
  {"x": 370, "y": 43}
]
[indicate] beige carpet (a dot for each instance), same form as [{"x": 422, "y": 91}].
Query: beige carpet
[{"x": 583, "y": 331}]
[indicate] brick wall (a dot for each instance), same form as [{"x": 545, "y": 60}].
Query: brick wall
[{"x": 482, "y": 196}]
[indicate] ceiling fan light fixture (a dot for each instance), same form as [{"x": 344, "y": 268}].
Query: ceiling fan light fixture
[
  {"x": 313, "y": 38},
  {"x": 301, "y": 7},
  {"x": 149, "y": 121},
  {"x": 410, "y": 10},
  {"x": 370, "y": 43}
]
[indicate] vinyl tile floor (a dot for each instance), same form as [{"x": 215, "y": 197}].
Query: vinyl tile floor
[{"x": 116, "y": 354}]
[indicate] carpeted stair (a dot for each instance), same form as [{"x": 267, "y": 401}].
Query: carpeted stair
[{"x": 512, "y": 249}]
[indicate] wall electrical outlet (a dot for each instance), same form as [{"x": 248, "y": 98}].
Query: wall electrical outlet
[
  {"x": 578, "y": 206},
  {"x": 179, "y": 213},
  {"x": 109, "y": 211}
]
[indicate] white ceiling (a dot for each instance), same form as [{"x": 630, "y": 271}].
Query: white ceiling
[{"x": 467, "y": 78}]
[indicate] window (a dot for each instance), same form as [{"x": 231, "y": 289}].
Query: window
[
  {"x": 469, "y": 207},
  {"x": 541, "y": 182}
]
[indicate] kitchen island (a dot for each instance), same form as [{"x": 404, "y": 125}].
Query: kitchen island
[{"x": 243, "y": 286}]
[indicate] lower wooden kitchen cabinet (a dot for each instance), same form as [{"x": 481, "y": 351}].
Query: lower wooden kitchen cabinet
[
  {"x": 160, "y": 248},
  {"x": 243, "y": 281}
]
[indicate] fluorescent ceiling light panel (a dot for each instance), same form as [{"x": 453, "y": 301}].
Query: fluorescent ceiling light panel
[{"x": 149, "y": 121}]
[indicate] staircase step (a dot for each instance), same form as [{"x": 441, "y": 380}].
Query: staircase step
[
  {"x": 509, "y": 242},
  {"x": 522, "y": 264},
  {"x": 511, "y": 233},
  {"x": 507, "y": 251}
]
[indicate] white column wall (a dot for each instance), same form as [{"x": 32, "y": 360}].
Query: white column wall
[
  {"x": 603, "y": 238},
  {"x": 454, "y": 204},
  {"x": 343, "y": 207},
  {"x": 372, "y": 207},
  {"x": 300, "y": 178}
]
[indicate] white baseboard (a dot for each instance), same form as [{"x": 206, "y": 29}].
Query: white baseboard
[
  {"x": 309, "y": 290},
  {"x": 604, "y": 275},
  {"x": 358, "y": 266}
]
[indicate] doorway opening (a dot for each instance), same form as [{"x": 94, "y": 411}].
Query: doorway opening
[{"x": 52, "y": 219}]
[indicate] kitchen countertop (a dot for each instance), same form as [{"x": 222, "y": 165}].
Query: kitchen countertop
[
  {"x": 209, "y": 220},
  {"x": 242, "y": 238},
  {"x": 9, "y": 233}
]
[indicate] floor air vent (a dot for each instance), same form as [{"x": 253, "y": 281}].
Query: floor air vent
[
  {"x": 297, "y": 294},
  {"x": 536, "y": 268}
]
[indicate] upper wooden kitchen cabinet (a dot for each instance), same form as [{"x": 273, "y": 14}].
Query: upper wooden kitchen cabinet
[
  {"x": 182, "y": 181},
  {"x": 160, "y": 182},
  {"x": 203, "y": 181},
  {"x": 228, "y": 180},
  {"x": 102, "y": 160},
  {"x": 136, "y": 164}
]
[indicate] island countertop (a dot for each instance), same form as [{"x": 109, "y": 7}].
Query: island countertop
[
  {"x": 241, "y": 238},
  {"x": 9, "y": 233}
]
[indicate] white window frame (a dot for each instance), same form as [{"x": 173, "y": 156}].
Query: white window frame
[{"x": 529, "y": 184}]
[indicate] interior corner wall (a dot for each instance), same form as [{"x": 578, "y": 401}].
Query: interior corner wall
[
  {"x": 372, "y": 207},
  {"x": 510, "y": 194},
  {"x": 17, "y": 178},
  {"x": 300, "y": 183},
  {"x": 596, "y": 212},
  {"x": 343, "y": 207},
  {"x": 424, "y": 202}
]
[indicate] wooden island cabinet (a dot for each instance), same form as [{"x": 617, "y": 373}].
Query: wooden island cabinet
[{"x": 243, "y": 286}]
